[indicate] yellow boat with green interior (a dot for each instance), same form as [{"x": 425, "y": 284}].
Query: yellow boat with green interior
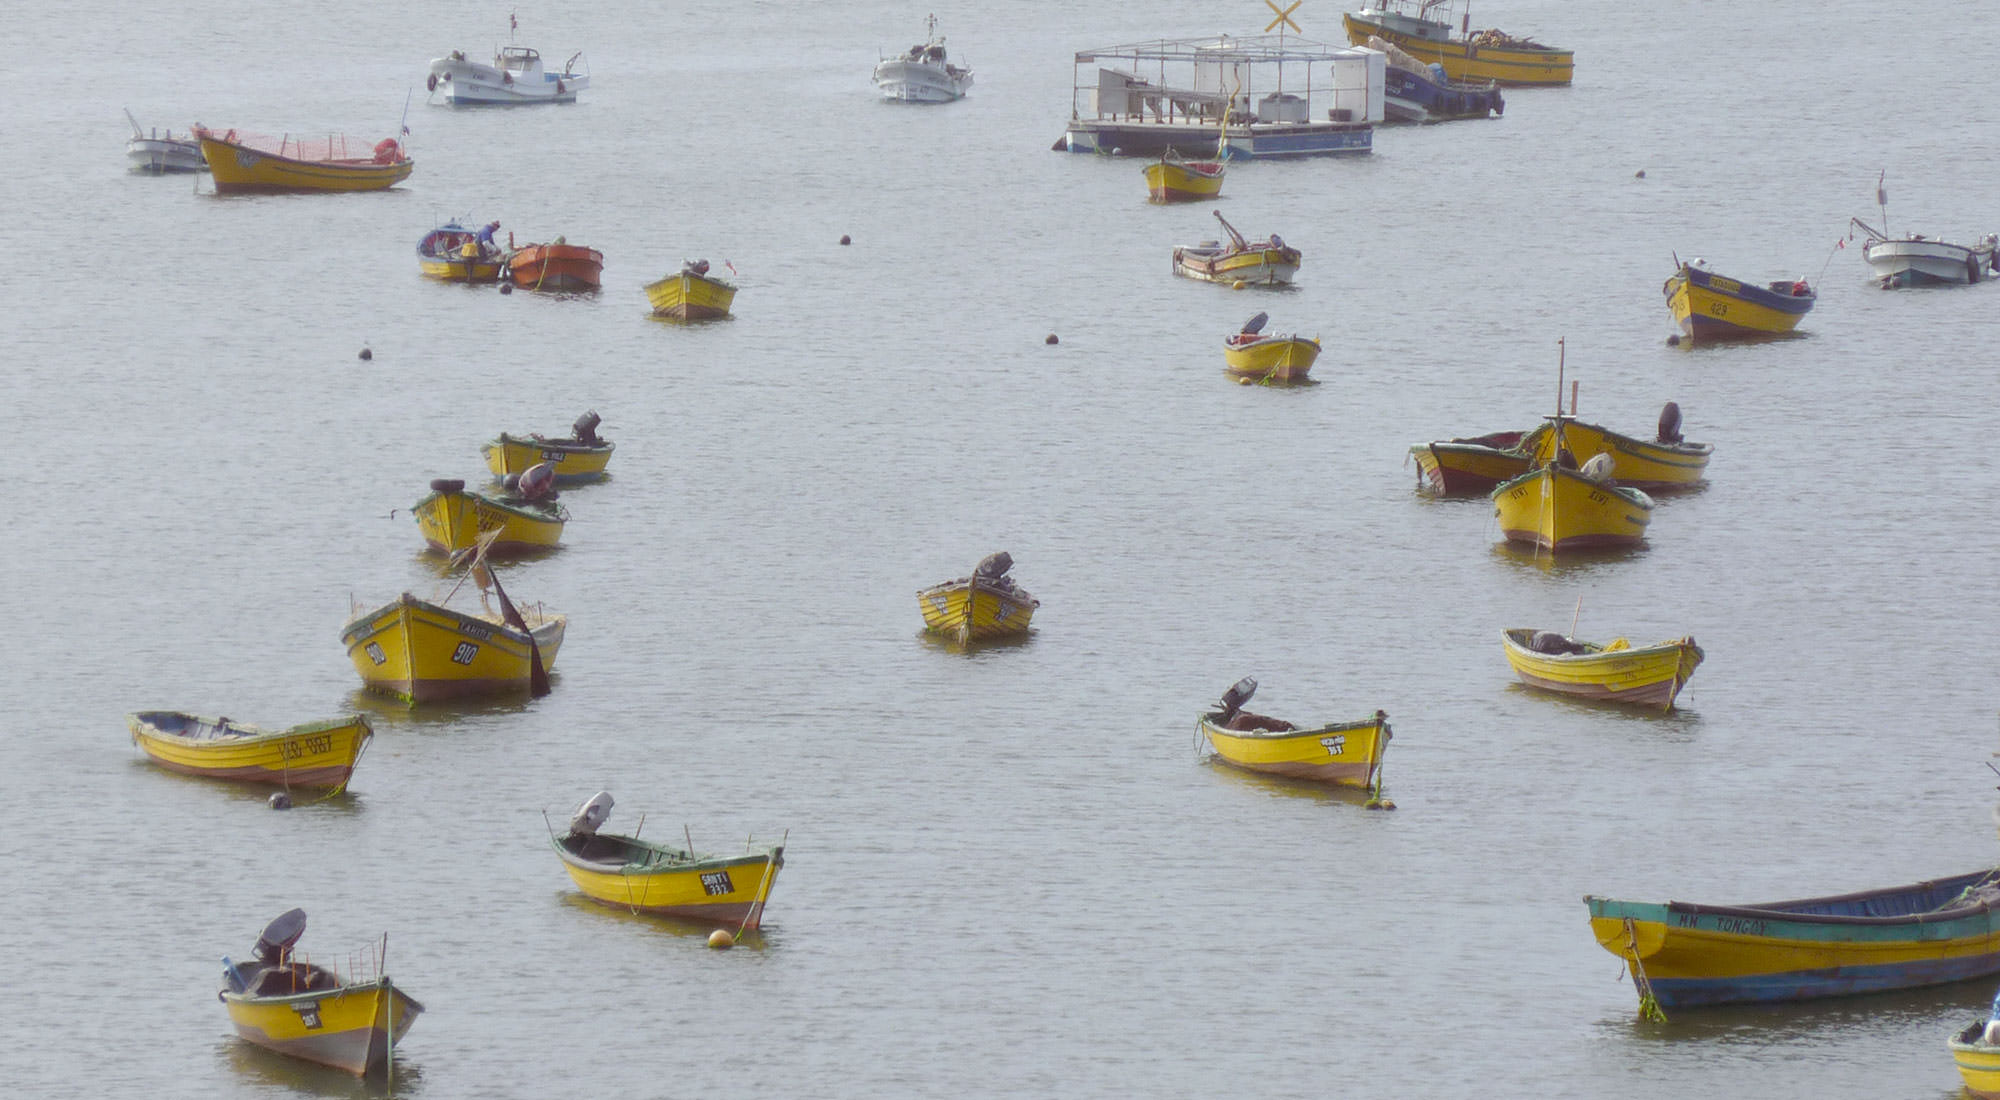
[
  {"x": 1423, "y": 28},
  {"x": 1665, "y": 462},
  {"x": 316, "y": 755},
  {"x": 1710, "y": 308},
  {"x": 421, "y": 651},
  {"x": 1268, "y": 357},
  {"x": 1557, "y": 509},
  {"x": 1614, "y": 671},
  {"x": 986, "y": 605},
  {"x": 1470, "y": 465},
  {"x": 580, "y": 457},
  {"x": 691, "y": 294},
  {"x": 645, "y": 876},
  {"x": 1927, "y": 933},
  {"x": 348, "y": 1016},
  {"x": 1346, "y": 754},
  {"x": 453, "y": 519},
  {"x": 1976, "y": 1052}
]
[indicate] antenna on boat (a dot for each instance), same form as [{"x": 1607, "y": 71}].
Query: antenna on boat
[
  {"x": 1561, "y": 353},
  {"x": 1882, "y": 200}
]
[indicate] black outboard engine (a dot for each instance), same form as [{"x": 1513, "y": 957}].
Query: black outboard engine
[
  {"x": 589, "y": 816},
  {"x": 1238, "y": 694},
  {"x": 585, "y": 428},
  {"x": 447, "y": 485},
  {"x": 275, "y": 943},
  {"x": 1670, "y": 423},
  {"x": 1256, "y": 324},
  {"x": 993, "y": 566}
]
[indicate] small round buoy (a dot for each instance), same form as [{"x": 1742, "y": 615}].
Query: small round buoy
[
  {"x": 1243, "y": 381},
  {"x": 506, "y": 288},
  {"x": 1052, "y": 339},
  {"x": 280, "y": 800},
  {"x": 845, "y": 239},
  {"x": 366, "y": 354},
  {"x": 1238, "y": 285},
  {"x": 1674, "y": 341},
  {"x": 1388, "y": 805},
  {"x": 1117, "y": 152},
  {"x": 720, "y": 939},
  {"x": 1639, "y": 175}
]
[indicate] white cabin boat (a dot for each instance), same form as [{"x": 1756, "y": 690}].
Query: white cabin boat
[
  {"x": 922, "y": 75},
  {"x": 160, "y": 151},
  {"x": 1917, "y": 260},
  {"x": 516, "y": 77}
]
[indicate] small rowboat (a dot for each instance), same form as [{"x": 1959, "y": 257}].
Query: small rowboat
[
  {"x": 1664, "y": 462},
  {"x": 313, "y": 755},
  {"x": 647, "y": 877},
  {"x": 292, "y": 164},
  {"x": 1472, "y": 466},
  {"x": 1557, "y": 509},
  {"x": 1976, "y": 1052},
  {"x": 1269, "y": 262},
  {"x": 422, "y": 652},
  {"x": 557, "y": 265},
  {"x": 581, "y": 457},
  {"x": 1710, "y": 307},
  {"x": 1346, "y": 754},
  {"x": 987, "y": 604},
  {"x": 455, "y": 254},
  {"x": 453, "y": 519},
  {"x": 1253, "y": 354},
  {"x": 350, "y": 1018},
  {"x": 691, "y": 294},
  {"x": 1615, "y": 671},
  {"x": 1928, "y": 933},
  {"x": 1174, "y": 178}
]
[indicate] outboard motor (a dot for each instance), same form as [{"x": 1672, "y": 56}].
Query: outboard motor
[
  {"x": 1256, "y": 324},
  {"x": 1670, "y": 423},
  {"x": 590, "y": 815},
  {"x": 993, "y": 566},
  {"x": 1238, "y": 694},
  {"x": 585, "y": 428},
  {"x": 538, "y": 482},
  {"x": 1552, "y": 643},
  {"x": 275, "y": 943},
  {"x": 511, "y": 483},
  {"x": 447, "y": 485}
]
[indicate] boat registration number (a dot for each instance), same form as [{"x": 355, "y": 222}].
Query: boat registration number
[
  {"x": 1335, "y": 745},
  {"x": 308, "y": 1014},
  {"x": 307, "y": 746},
  {"x": 1598, "y": 498},
  {"x": 716, "y": 882},
  {"x": 374, "y": 651},
  {"x": 464, "y": 654},
  {"x": 552, "y": 456}
]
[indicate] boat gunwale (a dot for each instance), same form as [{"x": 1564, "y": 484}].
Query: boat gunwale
[
  {"x": 1597, "y": 652},
  {"x": 1791, "y": 911},
  {"x": 1792, "y": 304},
  {"x": 679, "y": 860}
]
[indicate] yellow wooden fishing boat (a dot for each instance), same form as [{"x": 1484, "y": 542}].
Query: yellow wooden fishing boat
[
  {"x": 1251, "y": 353},
  {"x": 691, "y": 294},
  {"x": 1665, "y": 462},
  {"x": 1465, "y": 466},
  {"x": 1615, "y": 671},
  {"x": 1241, "y": 262},
  {"x": 1346, "y": 754},
  {"x": 349, "y": 1017},
  {"x": 987, "y": 604},
  {"x": 454, "y": 254},
  {"x": 453, "y": 519},
  {"x": 422, "y": 652},
  {"x": 648, "y": 877},
  {"x": 1557, "y": 509},
  {"x": 1709, "y": 307},
  {"x": 1424, "y": 29},
  {"x": 1976, "y": 1052},
  {"x": 313, "y": 755},
  {"x": 580, "y": 457},
  {"x": 247, "y": 164},
  {"x": 1174, "y": 178}
]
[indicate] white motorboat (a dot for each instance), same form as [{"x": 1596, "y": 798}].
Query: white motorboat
[
  {"x": 160, "y": 151},
  {"x": 921, "y": 74},
  {"x": 1917, "y": 260},
  {"x": 516, "y": 76}
]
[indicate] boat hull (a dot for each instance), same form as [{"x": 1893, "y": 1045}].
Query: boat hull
[
  {"x": 1978, "y": 1063},
  {"x": 1710, "y": 308},
  {"x": 689, "y": 297},
  {"x": 353, "y": 1028},
  {"x": 458, "y": 520},
  {"x": 1470, "y": 467},
  {"x": 1414, "y": 97},
  {"x": 1899, "y": 938},
  {"x": 161, "y": 155},
  {"x": 725, "y": 891},
  {"x": 903, "y": 81},
  {"x": 556, "y": 267},
  {"x": 974, "y": 610},
  {"x": 1344, "y": 754},
  {"x": 1183, "y": 181},
  {"x": 420, "y": 652},
  {"x": 1274, "y": 358},
  {"x": 573, "y": 462},
  {"x": 1556, "y": 510},
  {"x": 1462, "y": 60},
  {"x": 1272, "y": 266},
  {"x": 1256, "y": 141},
  {"x": 460, "y": 271},
  {"x": 1911, "y": 262},
  {"x": 239, "y": 169},
  {"x": 1649, "y": 676},
  {"x": 1635, "y": 463},
  {"x": 465, "y": 83},
  {"x": 317, "y": 755}
]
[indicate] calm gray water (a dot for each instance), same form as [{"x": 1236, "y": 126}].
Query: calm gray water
[{"x": 1009, "y": 874}]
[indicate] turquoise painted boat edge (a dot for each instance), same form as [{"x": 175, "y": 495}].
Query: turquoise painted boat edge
[{"x": 1798, "y": 985}]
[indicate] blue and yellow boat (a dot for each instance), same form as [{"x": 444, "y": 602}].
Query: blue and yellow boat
[
  {"x": 349, "y": 1018},
  {"x": 987, "y": 604},
  {"x": 1927, "y": 933},
  {"x": 1710, "y": 307}
]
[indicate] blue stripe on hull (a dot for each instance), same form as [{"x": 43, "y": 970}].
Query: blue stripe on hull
[{"x": 1799, "y": 985}]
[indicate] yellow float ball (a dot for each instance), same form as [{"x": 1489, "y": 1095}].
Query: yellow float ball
[
  {"x": 1243, "y": 381},
  {"x": 720, "y": 938},
  {"x": 1238, "y": 285}
]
